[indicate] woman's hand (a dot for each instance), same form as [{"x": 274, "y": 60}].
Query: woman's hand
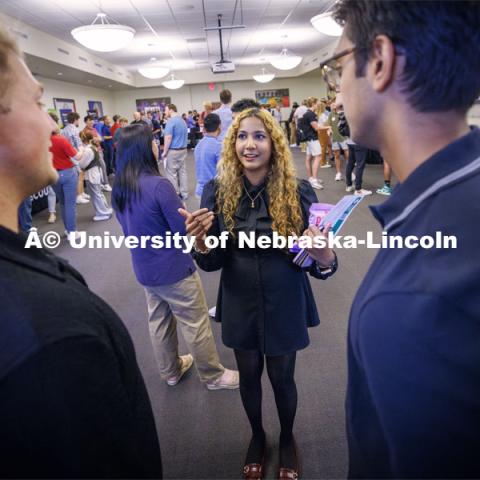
[
  {"x": 198, "y": 223},
  {"x": 323, "y": 256}
]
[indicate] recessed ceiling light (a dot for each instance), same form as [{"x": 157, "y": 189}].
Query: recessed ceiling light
[
  {"x": 152, "y": 59},
  {"x": 59, "y": 73}
]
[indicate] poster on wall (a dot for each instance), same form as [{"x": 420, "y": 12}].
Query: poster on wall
[
  {"x": 64, "y": 106},
  {"x": 273, "y": 97},
  {"x": 152, "y": 104},
  {"x": 95, "y": 109}
]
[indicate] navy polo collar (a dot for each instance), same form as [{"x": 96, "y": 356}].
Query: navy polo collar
[
  {"x": 12, "y": 248},
  {"x": 456, "y": 161}
]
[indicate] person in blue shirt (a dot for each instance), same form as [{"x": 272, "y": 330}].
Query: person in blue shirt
[
  {"x": 175, "y": 151},
  {"x": 207, "y": 152},
  {"x": 107, "y": 144},
  {"x": 410, "y": 72}
]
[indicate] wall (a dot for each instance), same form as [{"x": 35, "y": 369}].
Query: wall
[
  {"x": 192, "y": 96},
  {"x": 474, "y": 115},
  {"x": 81, "y": 94}
]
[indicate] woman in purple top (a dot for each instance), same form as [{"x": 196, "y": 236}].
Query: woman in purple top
[{"x": 146, "y": 206}]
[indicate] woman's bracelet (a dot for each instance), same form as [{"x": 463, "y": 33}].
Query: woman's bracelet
[{"x": 202, "y": 252}]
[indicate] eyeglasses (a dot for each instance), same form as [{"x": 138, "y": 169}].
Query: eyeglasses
[{"x": 332, "y": 69}]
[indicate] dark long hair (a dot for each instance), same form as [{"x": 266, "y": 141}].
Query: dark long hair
[{"x": 134, "y": 159}]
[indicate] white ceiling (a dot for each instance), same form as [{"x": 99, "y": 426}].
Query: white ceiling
[{"x": 178, "y": 27}]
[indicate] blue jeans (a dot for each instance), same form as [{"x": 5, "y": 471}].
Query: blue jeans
[
  {"x": 66, "y": 191},
  {"x": 25, "y": 214}
]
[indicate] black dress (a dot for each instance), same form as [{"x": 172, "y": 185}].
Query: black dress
[{"x": 265, "y": 301}]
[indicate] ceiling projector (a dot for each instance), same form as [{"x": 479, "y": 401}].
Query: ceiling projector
[{"x": 223, "y": 67}]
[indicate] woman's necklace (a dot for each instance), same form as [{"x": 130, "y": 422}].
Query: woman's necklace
[{"x": 252, "y": 204}]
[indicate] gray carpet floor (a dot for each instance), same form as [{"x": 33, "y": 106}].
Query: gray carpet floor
[{"x": 205, "y": 434}]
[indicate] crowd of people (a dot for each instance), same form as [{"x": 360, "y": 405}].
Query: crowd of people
[
  {"x": 73, "y": 402},
  {"x": 314, "y": 127}
]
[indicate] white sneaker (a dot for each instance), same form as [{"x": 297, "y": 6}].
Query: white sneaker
[
  {"x": 327, "y": 165},
  {"x": 212, "y": 311},
  {"x": 186, "y": 363},
  {"x": 362, "y": 192},
  {"x": 351, "y": 188},
  {"x": 106, "y": 188},
  {"x": 293, "y": 145},
  {"x": 81, "y": 199},
  {"x": 99, "y": 218},
  {"x": 72, "y": 235},
  {"x": 230, "y": 380},
  {"x": 338, "y": 177},
  {"x": 52, "y": 217},
  {"x": 315, "y": 183},
  {"x": 86, "y": 195}
]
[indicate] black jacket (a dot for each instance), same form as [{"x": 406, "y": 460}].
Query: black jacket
[
  {"x": 265, "y": 302},
  {"x": 73, "y": 403}
]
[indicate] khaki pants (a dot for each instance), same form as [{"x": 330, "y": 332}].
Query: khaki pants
[
  {"x": 293, "y": 133},
  {"x": 184, "y": 303},
  {"x": 324, "y": 142},
  {"x": 176, "y": 171}
]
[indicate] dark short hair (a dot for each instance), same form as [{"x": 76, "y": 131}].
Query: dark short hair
[
  {"x": 87, "y": 118},
  {"x": 243, "y": 104},
  {"x": 439, "y": 39},
  {"x": 116, "y": 118},
  {"x": 172, "y": 106},
  {"x": 211, "y": 122},
  {"x": 225, "y": 96},
  {"x": 72, "y": 116},
  {"x": 134, "y": 159}
]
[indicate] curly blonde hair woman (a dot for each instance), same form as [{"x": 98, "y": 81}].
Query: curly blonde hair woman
[
  {"x": 282, "y": 185},
  {"x": 265, "y": 301}
]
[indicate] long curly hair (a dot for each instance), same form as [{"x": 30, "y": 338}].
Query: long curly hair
[{"x": 281, "y": 182}]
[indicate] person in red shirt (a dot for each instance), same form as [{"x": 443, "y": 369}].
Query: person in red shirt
[
  {"x": 65, "y": 160},
  {"x": 116, "y": 124}
]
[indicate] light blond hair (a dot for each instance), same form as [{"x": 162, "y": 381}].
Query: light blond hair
[
  {"x": 7, "y": 47},
  {"x": 281, "y": 183},
  {"x": 207, "y": 106},
  {"x": 311, "y": 101}
]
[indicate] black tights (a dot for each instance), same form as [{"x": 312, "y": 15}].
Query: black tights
[{"x": 280, "y": 371}]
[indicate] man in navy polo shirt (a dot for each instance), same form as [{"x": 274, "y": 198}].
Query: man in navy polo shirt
[{"x": 410, "y": 71}]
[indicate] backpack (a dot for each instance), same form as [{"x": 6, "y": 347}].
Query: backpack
[{"x": 301, "y": 131}]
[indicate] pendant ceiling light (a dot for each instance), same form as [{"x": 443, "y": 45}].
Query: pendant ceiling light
[
  {"x": 264, "y": 77},
  {"x": 285, "y": 61},
  {"x": 173, "y": 83},
  {"x": 103, "y": 36},
  {"x": 153, "y": 72},
  {"x": 324, "y": 23}
]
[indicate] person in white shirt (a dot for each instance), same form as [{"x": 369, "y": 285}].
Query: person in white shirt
[{"x": 90, "y": 164}]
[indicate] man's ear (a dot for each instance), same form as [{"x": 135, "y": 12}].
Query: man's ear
[{"x": 381, "y": 65}]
